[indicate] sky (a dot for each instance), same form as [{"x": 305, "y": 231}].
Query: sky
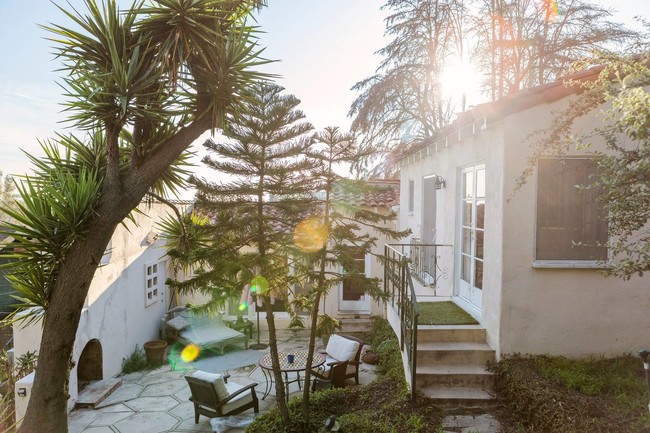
[{"x": 324, "y": 48}]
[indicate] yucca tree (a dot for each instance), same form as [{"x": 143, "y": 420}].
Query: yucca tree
[{"x": 144, "y": 83}]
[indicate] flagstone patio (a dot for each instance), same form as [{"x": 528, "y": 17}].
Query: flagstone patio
[{"x": 157, "y": 401}]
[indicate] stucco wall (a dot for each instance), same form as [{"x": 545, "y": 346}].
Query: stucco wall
[
  {"x": 570, "y": 312},
  {"x": 115, "y": 311},
  {"x": 476, "y": 146}
]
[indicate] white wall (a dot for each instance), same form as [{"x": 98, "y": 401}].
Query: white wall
[
  {"x": 570, "y": 312},
  {"x": 480, "y": 147},
  {"x": 115, "y": 311}
]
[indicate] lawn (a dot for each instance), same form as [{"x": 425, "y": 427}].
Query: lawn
[{"x": 443, "y": 313}]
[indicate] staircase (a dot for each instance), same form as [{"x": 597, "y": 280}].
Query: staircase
[
  {"x": 356, "y": 324},
  {"x": 451, "y": 366}
]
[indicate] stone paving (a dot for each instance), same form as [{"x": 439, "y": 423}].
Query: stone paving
[{"x": 157, "y": 401}]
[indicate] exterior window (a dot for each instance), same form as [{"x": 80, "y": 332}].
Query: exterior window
[
  {"x": 351, "y": 287},
  {"x": 152, "y": 283},
  {"x": 411, "y": 195},
  {"x": 568, "y": 215}
]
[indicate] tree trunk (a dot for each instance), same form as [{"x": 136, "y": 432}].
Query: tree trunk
[
  {"x": 280, "y": 395},
  {"x": 47, "y": 410}
]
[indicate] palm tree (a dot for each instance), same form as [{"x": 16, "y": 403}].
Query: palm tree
[{"x": 144, "y": 83}]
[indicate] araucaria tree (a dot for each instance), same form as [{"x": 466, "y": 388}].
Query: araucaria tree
[
  {"x": 342, "y": 230},
  {"x": 266, "y": 193},
  {"x": 144, "y": 83}
]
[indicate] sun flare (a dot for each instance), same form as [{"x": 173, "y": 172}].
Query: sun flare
[{"x": 461, "y": 82}]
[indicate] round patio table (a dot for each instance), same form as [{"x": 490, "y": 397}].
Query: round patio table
[{"x": 299, "y": 364}]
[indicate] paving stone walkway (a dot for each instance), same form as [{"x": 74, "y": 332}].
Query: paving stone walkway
[
  {"x": 157, "y": 401},
  {"x": 482, "y": 423}
]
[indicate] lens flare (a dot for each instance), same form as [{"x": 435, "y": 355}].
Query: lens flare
[
  {"x": 259, "y": 285},
  {"x": 310, "y": 235},
  {"x": 242, "y": 306},
  {"x": 190, "y": 353},
  {"x": 550, "y": 8}
]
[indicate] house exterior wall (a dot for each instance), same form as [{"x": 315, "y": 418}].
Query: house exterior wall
[
  {"x": 114, "y": 312},
  {"x": 572, "y": 312},
  {"x": 476, "y": 146},
  {"x": 526, "y": 309}
]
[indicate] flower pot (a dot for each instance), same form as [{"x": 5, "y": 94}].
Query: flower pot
[
  {"x": 155, "y": 351},
  {"x": 370, "y": 358}
]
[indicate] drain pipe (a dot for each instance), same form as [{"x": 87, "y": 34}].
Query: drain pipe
[{"x": 644, "y": 357}]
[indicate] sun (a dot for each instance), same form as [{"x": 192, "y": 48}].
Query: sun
[{"x": 461, "y": 82}]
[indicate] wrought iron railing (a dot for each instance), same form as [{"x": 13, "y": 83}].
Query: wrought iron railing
[
  {"x": 398, "y": 286},
  {"x": 425, "y": 262}
]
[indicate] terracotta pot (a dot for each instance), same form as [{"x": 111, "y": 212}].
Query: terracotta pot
[
  {"x": 155, "y": 351},
  {"x": 370, "y": 358}
]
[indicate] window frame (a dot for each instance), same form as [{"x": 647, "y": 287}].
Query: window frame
[
  {"x": 564, "y": 263},
  {"x": 156, "y": 287}
]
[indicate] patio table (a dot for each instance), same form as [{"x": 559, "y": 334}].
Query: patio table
[{"x": 299, "y": 364}]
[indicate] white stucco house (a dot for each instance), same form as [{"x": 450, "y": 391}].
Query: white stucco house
[
  {"x": 124, "y": 307},
  {"x": 511, "y": 260}
]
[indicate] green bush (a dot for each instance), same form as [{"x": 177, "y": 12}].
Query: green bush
[
  {"x": 135, "y": 362},
  {"x": 560, "y": 395},
  {"x": 379, "y": 407}
]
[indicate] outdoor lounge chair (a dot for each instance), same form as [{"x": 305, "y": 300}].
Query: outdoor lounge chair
[
  {"x": 341, "y": 348},
  {"x": 201, "y": 330},
  {"x": 214, "y": 397}
]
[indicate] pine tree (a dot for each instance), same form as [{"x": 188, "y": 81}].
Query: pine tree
[
  {"x": 253, "y": 213},
  {"x": 341, "y": 230}
]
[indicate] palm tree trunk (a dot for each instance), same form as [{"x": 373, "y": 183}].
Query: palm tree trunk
[{"x": 47, "y": 410}]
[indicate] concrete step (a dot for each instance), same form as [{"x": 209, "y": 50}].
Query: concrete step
[
  {"x": 454, "y": 353},
  {"x": 457, "y": 375},
  {"x": 459, "y": 396},
  {"x": 352, "y": 324},
  {"x": 451, "y": 333},
  {"x": 93, "y": 393}
]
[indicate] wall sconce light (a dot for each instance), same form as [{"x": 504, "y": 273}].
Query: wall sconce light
[
  {"x": 22, "y": 392},
  {"x": 439, "y": 182}
]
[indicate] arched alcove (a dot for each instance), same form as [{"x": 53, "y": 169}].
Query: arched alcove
[{"x": 90, "y": 366}]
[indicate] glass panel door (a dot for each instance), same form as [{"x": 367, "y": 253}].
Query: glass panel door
[{"x": 472, "y": 233}]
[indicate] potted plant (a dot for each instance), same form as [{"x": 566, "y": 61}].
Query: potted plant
[
  {"x": 326, "y": 326},
  {"x": 155, "y": 351}
]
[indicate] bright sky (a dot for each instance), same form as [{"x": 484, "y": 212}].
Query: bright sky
[{"x": 325, "y": 47}]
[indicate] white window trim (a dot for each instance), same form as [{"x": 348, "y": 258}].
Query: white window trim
[
  {"x": 153, "y": 292},
  {"x": 569, "y": 264}
]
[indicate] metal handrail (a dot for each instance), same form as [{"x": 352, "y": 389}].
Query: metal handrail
[{"x": 398, "y": 286}]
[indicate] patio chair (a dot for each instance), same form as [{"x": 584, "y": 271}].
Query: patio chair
[
  {"x": 341, "y": 348},
  {"x": 214, "y": 397},
  {"x": 335, "y": 376}
]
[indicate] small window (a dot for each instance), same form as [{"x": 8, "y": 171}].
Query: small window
[
  {"x": 152, "y": 279},
  {"x": 411, "y": 195},
  {"x": 570, "y": 219}
]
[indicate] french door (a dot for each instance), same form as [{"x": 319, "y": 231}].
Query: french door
[{"x": 472, "y": 234}]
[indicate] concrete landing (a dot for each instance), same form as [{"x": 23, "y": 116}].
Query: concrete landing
[{"x": 95, "y": 392}]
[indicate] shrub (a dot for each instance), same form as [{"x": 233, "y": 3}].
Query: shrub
[
  {"x": 379, "y": 407},
  {"x": 560, "y": 395},
  {"x": 135, "y": 362}
]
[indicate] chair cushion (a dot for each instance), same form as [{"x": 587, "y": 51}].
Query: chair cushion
[
  {"x": 178, "y": 323},
  {"x": 239, "y": 401},
  {"x": 217, "y": 381},
  {"x": 342, "y": 349}
]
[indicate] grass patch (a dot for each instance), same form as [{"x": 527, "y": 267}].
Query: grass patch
[
  {"x": 443, "y": 313},
  {"x": 382, "y": 406},
  {"x": 561, "y": 395}
]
